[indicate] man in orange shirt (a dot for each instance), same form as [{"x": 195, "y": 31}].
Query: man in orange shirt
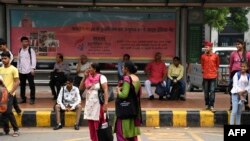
[{"x": 210, "y": 64}]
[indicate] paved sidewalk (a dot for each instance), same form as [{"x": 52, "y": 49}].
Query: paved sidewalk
[{"x": 194, "y": 101}]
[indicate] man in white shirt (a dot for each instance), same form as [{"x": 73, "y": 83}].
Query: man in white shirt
[
  {"x": 68, "y": 100},
  {"x": 26, "y": 64}
]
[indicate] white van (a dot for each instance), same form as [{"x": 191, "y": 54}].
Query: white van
[{"x": 194, "y": 71}]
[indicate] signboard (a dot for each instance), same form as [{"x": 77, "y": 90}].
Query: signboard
[
  {"x": 194, "y": 43},
  {"x": 105, "y": 35}
]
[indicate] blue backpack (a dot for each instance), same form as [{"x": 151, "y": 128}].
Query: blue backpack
[{"x": 238, "y": 74}]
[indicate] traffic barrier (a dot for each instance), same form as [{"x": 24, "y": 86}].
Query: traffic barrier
[{"x": 150, "y": 118}]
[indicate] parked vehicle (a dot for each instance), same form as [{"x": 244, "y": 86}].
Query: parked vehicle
[{"x": 194, "y": 71}]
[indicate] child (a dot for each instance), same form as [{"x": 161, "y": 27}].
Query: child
[{"x": 241, "y": 87}]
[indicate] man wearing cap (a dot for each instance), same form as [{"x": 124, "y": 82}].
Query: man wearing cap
[{"x": 210, "y": 64}]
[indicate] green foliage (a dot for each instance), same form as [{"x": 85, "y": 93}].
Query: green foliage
[
  {"x": 217, "y": 17},
  {"x": 238, "y": 19}
]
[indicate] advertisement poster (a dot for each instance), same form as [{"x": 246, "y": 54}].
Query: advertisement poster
[{"x": 99, "y": 35}]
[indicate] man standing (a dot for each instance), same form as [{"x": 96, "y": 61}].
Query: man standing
[
  {"x": 3, "y": 48},
  {"x": 26, "y": 64},
  {"x": 156, "y": 72},
  {"x": 210, "y": 64},
  {"x": 11, "y": 82}
]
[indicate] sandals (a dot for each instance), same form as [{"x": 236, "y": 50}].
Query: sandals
[{"x": 15, "y": 134}]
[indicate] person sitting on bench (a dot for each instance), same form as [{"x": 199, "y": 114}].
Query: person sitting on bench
[
  {"x": 58, "y": 75},
  {"x": 175, "y": 75}
]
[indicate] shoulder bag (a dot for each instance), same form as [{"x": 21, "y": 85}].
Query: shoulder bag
[{"x": 128, "y": 107}]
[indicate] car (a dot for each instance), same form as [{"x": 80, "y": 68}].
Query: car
[{"x": 194, "y": 71}]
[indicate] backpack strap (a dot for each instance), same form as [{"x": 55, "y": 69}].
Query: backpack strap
[
  {"x": 238, "y": 75},
  {"x": 29, "y": 50}
]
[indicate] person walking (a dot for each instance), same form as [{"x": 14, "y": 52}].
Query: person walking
[
  {"x": 210, "y": 64},
  {"x": 3, "y": 48},
  {"x": 241, "y": 86},
  {"x": 128, "y": 129},
  {"x": 26, "y": 64},
  {"x": 11, "y": 81},
  {"x": 93, "y": 110}
]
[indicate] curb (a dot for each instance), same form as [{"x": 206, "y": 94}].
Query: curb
[{"x": 150, "y": 118}]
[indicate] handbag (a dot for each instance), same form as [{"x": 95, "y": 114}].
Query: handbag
[
  {"x": 104, "y": 131},
  {"x": 3, "y": 99},
  {"x": 100, "y": 93},
  {"x": 160, "y": 89},
  {"x": 128, "y": 107}
]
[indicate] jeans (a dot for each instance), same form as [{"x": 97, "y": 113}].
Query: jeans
[
  {"x": 23, "y": 78},
  {"x": 236, "y": 110},
  {"x": 181, "y": 84},
  {"x": 209, "y": 91},
  {"x": 8, "y": 116}
]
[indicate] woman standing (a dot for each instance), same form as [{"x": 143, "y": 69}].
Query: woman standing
[
  {"x": 236, "y": 58},
  {"x": 94, "y": 111},
  {"x": 128, "y": 129},
  {"x": 241, "y": 86}
]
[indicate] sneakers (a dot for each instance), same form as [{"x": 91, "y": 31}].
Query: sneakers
[
  {"x": 212, "y": 109},
  {"x": 58, "y": 126},
  {"x": 151, "y": 97},
  {"x": 77, "y": 127},
  {"x": 15, "y": 134}
]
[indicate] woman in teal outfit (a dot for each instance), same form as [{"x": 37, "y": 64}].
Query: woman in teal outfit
[{"x": 128, "y": 129}]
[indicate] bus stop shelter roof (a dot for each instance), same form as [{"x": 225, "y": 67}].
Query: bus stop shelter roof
[{"x": 174, "y": 3}]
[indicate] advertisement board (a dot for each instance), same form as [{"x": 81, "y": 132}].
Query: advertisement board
[{"x": 99, "y": 35}]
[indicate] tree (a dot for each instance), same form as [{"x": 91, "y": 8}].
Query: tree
[
  {"x": 218, "y": 18},
  {"x": 238, "y": 19}
]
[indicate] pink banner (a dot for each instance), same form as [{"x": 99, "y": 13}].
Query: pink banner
[{"x": 106, "y": 40}]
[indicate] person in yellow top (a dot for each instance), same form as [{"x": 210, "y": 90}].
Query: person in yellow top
[
  {"x": 175, "y": 75},
  {"x": 11, "y": 81}
]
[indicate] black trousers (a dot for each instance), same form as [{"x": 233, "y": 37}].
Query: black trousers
[
  {"x": 57, "y": 82},
  {"x": 15, "y": 105},
  {"x": 8, "y": 116},
  {"x": 30, "y": 78}
]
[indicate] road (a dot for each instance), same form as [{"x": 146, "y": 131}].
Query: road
[{"x": 148, "y": 134}]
